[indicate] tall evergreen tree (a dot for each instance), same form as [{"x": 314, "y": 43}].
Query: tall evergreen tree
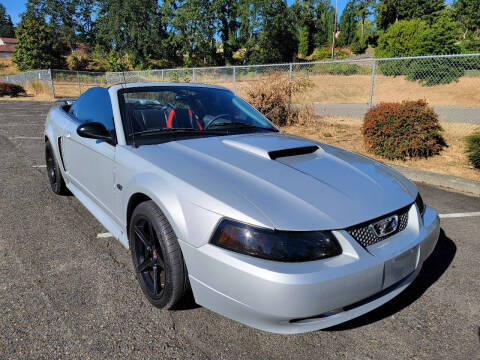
[
  {"x": 276, "y": 39},
  {"x": 390, "y": 11},
  {"x": 194, "y": 24},
  {"x": 364, "y": 10},
  {"x": 347, "y": 24},
  {"x": 467, "y": 12},
  {"x": 133, "y": 27},
  {"x": 324, "y": 19},
  {"x": 303, "y": 41},
  {"x": 37, "y": 47},
  {"x": 441, "y": 38},
  {"x": 226, "y": 17},
  {"x": 6, "y": 26}
]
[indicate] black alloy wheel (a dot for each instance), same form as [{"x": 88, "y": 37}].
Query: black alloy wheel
[
  {"x": 157, "y": 257},
  {"x": 54, "y": 173},
  {"x": 149, "y": 257}
]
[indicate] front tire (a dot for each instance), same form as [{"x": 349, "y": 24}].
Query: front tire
[
  {"x": 157, "y": 257},
  {"x": 54, "y": 173}
]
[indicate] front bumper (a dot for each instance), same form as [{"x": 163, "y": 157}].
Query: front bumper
[{"x": 294, "y": 298}]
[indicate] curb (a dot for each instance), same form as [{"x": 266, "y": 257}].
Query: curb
[{"x": 450, "y": 182}]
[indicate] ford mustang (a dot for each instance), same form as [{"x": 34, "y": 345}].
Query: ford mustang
[{"x": 275, "y": 231}]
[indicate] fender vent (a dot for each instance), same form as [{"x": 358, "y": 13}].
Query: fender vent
[
  {"x": 292, "y": 152},
  {"x": 60, "y": 151}
]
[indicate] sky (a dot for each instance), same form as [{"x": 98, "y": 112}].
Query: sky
[{"x": 16, "y": 7}]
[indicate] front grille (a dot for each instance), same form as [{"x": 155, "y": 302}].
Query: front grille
[{"x": 365, "y": 236}]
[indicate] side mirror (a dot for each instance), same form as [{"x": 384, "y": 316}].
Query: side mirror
[{"x": 95, "y": 130}]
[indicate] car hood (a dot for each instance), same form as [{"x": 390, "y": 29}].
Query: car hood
[{"x": 306, "y": 188}]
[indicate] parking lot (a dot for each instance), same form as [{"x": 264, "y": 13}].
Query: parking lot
[{"x": 69, "y": 291}]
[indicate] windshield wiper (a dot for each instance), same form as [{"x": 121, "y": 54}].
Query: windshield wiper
[
  {"x": 173, "y": 131},
  {"x": 239, "y": 124}
]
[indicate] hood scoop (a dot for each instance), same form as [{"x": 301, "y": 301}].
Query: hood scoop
[
  {"x": 272, "y": 147},
  {"x": 293, "y": 152}
]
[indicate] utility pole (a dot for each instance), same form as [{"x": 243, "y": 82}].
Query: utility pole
[{"x": 334, "y": 29}]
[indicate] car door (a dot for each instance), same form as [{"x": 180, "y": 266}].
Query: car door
[{"x": 90, "y": 163}]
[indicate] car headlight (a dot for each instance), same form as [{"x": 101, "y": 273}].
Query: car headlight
[
  {"x": 420, "y": 204},
  {"x": 285, "y": 246}
]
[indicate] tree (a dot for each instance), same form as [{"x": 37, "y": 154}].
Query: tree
[
  {"x": 194, "y": 23},
  {"x": 304, "y": 14},
  {"x": 6, "y": 26},
  {"x": 303, "y": 41},
  {"x": 363, "y": 10},
  {"x": 226, "y": 17},
  {"x": 277, "y": 40},
  {"x": 401, "y": 39},
  {"x": 37, "y": 48},
  {"x": 467, "y": 12},
  {"x": 391, "y": 11},
  {"x": 347, "y": 24},
  {"x": 441, "y": 38},
  {"x": 324, "y": 19},
  {"x": 133, "y": 27}
]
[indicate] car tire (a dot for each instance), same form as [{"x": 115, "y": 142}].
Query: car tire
[
  {"x": 157, "y": 257},
  {"x": 54, "y": 173}
]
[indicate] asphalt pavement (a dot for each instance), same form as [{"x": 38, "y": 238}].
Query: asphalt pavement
[{"x": 65, "y": 292}]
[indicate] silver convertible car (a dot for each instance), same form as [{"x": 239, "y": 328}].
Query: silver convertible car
[{"x": 275, "y": 231}]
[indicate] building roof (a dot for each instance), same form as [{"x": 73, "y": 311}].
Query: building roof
[
  {"x": 9, "y": 40},
  {"x": 7, "y": 48}
]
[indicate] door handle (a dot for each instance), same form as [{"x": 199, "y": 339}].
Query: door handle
[{"x": 67, "y": 135}]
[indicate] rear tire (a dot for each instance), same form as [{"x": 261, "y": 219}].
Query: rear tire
[
  {"x": 157, "y": 257},
  {"x": 54, "y": 173}
]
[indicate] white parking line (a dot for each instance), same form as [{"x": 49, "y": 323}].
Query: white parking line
[
  {"x": 20, "y": 124},
  {"x": 459, "y": 215},
  {"x": 39, "y": 166},
  {"x": 26, "y": 138},
  {"x": 104, "y": 235},
  {"x": 10, "y": 115}
]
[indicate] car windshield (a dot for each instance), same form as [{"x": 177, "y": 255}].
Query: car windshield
[{"x": 161, "y": 111}]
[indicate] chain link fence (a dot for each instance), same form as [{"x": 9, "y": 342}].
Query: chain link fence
[
  {"x": 451, "y": 80},
  {"x": 37, "y": 82}
]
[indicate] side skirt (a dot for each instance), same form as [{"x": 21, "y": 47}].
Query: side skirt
[{"x": 100, "y": 215}]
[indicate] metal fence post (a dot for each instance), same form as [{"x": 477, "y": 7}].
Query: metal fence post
[
  {"x": 193, "y": 74},
  {"x": 163, "y": 76},
  {"x": 78, "y": 83},
  {"x": 51, "y": 82},
  {"x": 372, "y": 83},
  {"x": 290, "y": 68},
  {"x": 234, "y": 81}
]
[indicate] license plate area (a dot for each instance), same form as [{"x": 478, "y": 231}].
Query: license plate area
[{"x": 400, "y": 267}]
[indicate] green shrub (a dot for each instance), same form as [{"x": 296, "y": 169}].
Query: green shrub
[
  {"x": 325, "y": 53},
  {"x": 321, "y": 54},
  {"x": 359, "y": 45},
  {"x": 401, "y": 39},
  {"x": 473, "y": 149},
  {"x": 401, "y": 130},
  {"x": 415, "y": 37},
  {"x": 7, "y": 89},
  {"x": 339, "y": 69}
]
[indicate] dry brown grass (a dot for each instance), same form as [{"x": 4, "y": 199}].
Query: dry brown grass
[
  {"x": 355, "y": 89},
  {"x": 272, "y": 98},
  {"x": 346, "y": 133},
  {"x": 7, "y": 67},
  {"x": 338, "y": 89}
]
